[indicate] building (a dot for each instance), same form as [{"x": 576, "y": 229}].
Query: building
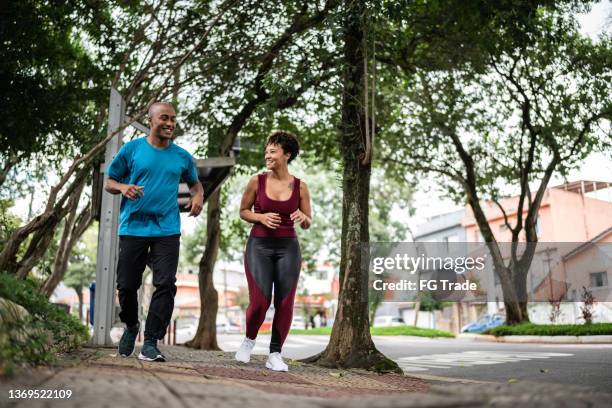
[
  {"x": 442, "y": 228},
  {"x": 570, "y": 214}
]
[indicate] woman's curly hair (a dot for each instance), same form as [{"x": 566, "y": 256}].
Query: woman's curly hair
[{"x": 287, "y": 140}]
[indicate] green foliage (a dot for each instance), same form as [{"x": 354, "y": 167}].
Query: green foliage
[
  {"x": 47, "y": 74},
  {"x": 46, "y": 331},
  {"x": 429, "y": 304},
  {"x": 8, "y": 221},
  {"x": 529, "y": 106},
  {"x": 593, "y": 329}
]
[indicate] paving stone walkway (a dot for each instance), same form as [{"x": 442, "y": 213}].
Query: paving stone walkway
[{"x": 195, "y": 378}]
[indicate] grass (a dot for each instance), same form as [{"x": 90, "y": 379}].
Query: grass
[
  {"x": 385, "y": 331},
  {"x": 531, "y": 329}
]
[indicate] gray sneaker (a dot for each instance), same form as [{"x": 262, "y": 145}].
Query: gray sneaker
[
  {"x": 126, "y": 344},
  {"x": 150, "y": 352}
]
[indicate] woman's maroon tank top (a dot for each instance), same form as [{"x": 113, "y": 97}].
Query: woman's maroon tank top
[{"x": 263, "y": 204}]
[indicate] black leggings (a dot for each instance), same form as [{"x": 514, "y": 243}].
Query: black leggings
[{"x": 268, "y": 262}]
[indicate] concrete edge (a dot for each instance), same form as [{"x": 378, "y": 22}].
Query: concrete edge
[{"x": 597, "y": 339}]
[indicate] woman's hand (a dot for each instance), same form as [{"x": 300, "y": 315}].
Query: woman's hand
[
  {"x": 270, "y": 220},
  {"x": 301, "y": 218}
]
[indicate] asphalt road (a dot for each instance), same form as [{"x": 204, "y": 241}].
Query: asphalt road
[{"x": 579, "y": 364}]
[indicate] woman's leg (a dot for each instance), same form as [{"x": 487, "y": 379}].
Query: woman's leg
[
  {"x": 258, "y": 266},
  {"x": 286, "y": 276}
]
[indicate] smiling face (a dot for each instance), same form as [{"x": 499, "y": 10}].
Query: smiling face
[
  {"x": 276, "y": 157},
  {"x": 162, "y": 120}
]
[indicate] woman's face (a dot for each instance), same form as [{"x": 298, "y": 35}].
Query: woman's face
[{"x": 275, "y": 157}]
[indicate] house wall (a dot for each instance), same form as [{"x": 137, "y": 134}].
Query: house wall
[{"x": 564, "y": 217}]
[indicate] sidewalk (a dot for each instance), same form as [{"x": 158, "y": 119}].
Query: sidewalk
[{"x": 195, "y": 378}]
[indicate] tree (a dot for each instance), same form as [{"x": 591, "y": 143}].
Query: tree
[
  {"x": 143, "y": 32},
  {"x": 350, "y": 344},
  {"x": 531, "y": 111},
  {"x": 46, "y": 76},
  {"x": 258, "y": 91}
]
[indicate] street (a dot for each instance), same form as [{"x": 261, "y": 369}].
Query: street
[{"x": 572, "y": 364}]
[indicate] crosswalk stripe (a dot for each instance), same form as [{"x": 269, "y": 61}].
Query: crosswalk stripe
[{"x": 469, "y": 359}]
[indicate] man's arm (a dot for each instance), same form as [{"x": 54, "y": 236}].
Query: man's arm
[
  {"x": 196, "y": 202},
  {"x": 130, "y": 191}
]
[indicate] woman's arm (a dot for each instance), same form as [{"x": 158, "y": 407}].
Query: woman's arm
[
  {"x": 304, "y": 214},
  {"x": 270, "y": 220}
]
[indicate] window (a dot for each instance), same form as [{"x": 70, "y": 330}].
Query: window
[
  {"x": 538, "y": 227},
  {"x": 448, "y": 239},
  {"x": 599, "y": 279}
]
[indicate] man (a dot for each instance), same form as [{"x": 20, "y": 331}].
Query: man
[{"x": 147, "y": 172}]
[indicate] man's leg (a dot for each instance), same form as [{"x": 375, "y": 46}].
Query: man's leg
[
  {"x": 163, "y": 259},
  {"x": 132, "y": 259},
  {"x": 130, "y": 267}
]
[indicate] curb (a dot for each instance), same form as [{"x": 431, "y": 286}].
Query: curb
[{"x": 597, "y": 339}]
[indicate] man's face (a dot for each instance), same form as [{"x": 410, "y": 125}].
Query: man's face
[{"x": 163, "y": 121}]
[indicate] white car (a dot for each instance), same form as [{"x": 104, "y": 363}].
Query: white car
[
  {"x": 228, "y": 327},
  {"x": 186, "y": 330},
  {"x": 298, "y": 323},
  {"x": 388, "y": 321}
]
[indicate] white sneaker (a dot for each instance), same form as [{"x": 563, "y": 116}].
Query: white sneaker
[
  {"x": 275, "y": 362},
  {"x": 244, "y": 352}
]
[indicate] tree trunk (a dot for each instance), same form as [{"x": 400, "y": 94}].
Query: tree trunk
[
  {"x": 42, "y": 227},
  {"x": 79, "y": 291},
  {"x": 206, "y": 334},
  {"x": 44, "y": 235},
  {"x": 351, "y": 345},
  {"x": 11, "y": 162},
  {"x": 74, "y": 228}
]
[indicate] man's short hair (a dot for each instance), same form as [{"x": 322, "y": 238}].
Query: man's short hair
[{"x": 155, "y": 105}]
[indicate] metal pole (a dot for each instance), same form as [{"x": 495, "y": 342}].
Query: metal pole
[{"x": 108, "y": 241}]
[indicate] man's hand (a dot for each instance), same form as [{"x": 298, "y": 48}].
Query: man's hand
[
  {"x": 270, "y": 220},
  {"x": 132, "y": 191},
  {"x": 195, "y": 205}
]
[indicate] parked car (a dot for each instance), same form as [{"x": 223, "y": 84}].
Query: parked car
[
  {"x": 388, "y": 321},
  {"x": 186, "y": 330},
  {"x": 487, "y": 321},
  {"x": 227, "y": 327},
  {"x": 298, "y": 323}
]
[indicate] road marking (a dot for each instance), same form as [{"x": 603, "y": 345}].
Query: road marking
[{"x": 469, "y": 359}]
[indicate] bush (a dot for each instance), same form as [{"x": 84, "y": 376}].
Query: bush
[
  {"x": 531, "y": 329},
  {"x": 37, "y": 334}
]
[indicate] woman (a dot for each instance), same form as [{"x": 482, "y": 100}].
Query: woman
[{"x": 273, "y": 201}]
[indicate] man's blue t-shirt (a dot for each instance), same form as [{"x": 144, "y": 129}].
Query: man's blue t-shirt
[{"x": 159, "y": 171}]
